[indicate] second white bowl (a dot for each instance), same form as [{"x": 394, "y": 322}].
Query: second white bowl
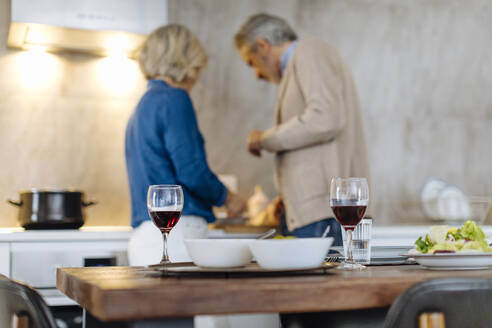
[
  {"x": 219, "y": 253},
  {"x": 288, "y": 254}
]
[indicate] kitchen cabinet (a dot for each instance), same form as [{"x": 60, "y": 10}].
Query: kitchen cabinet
[
  {"x": 5, "y": 259},
  {"x": 33, "y": 256}
]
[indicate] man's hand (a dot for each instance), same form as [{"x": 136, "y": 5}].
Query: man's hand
[
  {"x": 254, "y": 142},
  {"x": 234, "y": 204}
]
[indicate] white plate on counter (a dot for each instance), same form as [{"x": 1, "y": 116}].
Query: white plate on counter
[
  {"x": 453, "y": 261},
  {"x": 429, "y": 195}
]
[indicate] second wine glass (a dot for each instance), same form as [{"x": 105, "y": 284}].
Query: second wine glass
[
  {"x": 165, "y": 203},
  {"x": 348, "y": 199}
]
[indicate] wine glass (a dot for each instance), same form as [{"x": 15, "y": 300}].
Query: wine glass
[
  {"x": 348, "y": 200},
  {"x": 164, "y": 203}
]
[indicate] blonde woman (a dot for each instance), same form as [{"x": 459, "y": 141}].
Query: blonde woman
[{"x": 163, "y": 145}]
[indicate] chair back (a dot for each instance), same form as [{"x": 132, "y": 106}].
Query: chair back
[
  {"x": 464, "y": 302},
  {"x": 22, "y": 301}
]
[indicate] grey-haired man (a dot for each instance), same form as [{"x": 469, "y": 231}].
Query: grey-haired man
[{"x": 318, "y": 132}]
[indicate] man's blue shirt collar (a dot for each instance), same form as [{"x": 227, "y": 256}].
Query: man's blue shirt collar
[{"x": 284, "y": 60}]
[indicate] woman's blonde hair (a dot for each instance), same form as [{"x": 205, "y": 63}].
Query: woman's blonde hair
[{"x": 172, "y": 51}]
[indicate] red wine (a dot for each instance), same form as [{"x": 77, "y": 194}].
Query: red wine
[
  {"x": 165, "y": 220},
  {"x": 350, "y": 215}
]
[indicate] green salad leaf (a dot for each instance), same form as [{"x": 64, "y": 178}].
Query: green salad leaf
[
  {"x": 423, "y": 246},
  {"x": 469, "y": 237},
  {"x": 470, "y": 230}
]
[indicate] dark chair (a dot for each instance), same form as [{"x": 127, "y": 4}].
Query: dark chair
[
  {"x": 464, "y": 302},
  {"x": 18, "y": 299}
]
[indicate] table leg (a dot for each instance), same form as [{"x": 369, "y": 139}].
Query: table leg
[{"x": 163, "y": 323}]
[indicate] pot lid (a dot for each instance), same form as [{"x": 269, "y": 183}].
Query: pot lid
[{"x": 50, "y": 190}]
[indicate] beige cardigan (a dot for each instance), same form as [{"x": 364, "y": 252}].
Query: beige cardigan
[{"x": 318, "y": 132}]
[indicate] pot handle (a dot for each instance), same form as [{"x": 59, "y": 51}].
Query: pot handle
[
  {"x": 14, "y": 202},
  {"x": 89, "y": 203}
]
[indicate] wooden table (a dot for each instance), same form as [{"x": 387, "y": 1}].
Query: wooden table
[{"x": 136, "y": 293}]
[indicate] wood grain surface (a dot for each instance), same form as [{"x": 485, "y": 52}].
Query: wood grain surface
[{"x": 136, "y": 293}]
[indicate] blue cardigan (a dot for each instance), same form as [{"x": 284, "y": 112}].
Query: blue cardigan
[{"x": 163, "y": 145}]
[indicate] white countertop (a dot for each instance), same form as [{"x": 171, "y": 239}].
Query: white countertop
[
  {"x": 88, "y": 233},
  {"x": 381, "y": 235}
]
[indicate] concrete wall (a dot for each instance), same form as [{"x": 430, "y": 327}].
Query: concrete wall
[{"x": 423, "y": 69}]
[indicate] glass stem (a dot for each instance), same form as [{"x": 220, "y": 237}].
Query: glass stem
[
  {"x": 165, "y": 256},
  {"x": 350, "y": 258}
]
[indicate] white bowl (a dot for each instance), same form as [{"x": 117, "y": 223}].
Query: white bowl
[
  {"x": 288, "y": 254},
  {"x": 219, "y": 253}
]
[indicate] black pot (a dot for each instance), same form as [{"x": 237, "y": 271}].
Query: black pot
[{"x": 51, "y": 209}]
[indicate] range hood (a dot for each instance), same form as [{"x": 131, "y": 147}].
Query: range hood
[{"x": 99, "y": 27}]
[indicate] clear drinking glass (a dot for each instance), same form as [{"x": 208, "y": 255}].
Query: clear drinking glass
[
  {"x": 165, "y": 203},
  {"x": 348, "y": 199},
  {"x": 361, "y": 241}
]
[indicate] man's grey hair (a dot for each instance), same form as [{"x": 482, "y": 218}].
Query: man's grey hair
[{"x": 273, "y": 29}]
